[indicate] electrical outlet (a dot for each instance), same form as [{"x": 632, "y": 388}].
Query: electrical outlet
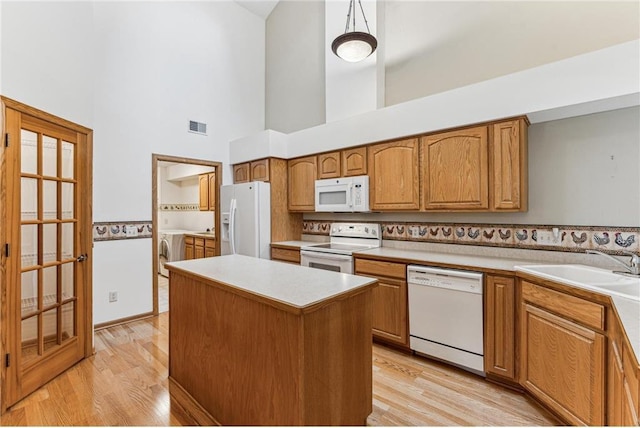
[
  {"x": 113, "y": 296},
  {"x": 132, "y": 230},
  {"x": 545, "y": 237}
]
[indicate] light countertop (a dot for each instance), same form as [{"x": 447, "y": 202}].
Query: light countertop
[
  {"x": 293, "y": 244},
  {"x": 208, "y": 235},
  {"x": 295, "y": 286},
  {"x": 628, "y": 310},
  {"x": 471, "y": 261}
]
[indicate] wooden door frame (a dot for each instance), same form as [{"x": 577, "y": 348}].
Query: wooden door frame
[
  {"x": 85, "y": 234},
  {"x": 155, "y": 158}
]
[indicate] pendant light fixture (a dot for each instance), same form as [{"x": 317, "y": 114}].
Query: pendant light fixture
[{"x": 354, "y": 46}]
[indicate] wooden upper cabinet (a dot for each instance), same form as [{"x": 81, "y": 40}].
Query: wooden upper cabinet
[
  {"x": 393, "y": 175},
  {"x": 203, "y": 183},
  {"x": 259, "y": 170},
  {"x": 509, "y": 161},
  {"x": 241, "y": 173},
  {"x": 208, "y": 191},
  {"x": 354, "y": 161},
  {"x": 455, "y": 170},
  {"x": 301, "y": 183},
  {"x": 329, "y": 165},
  {"x": 212, "y": 191}
]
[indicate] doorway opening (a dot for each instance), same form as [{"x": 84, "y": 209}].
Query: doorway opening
[{"x": 184, "y": 201}]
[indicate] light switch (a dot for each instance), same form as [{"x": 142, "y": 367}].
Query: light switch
[{"x": 132, "y": 231}]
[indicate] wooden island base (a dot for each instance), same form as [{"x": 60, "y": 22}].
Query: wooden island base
[{"x": 236, "y": 358}]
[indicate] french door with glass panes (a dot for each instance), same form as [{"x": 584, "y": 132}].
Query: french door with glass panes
[{"x": 47, "y": 314}]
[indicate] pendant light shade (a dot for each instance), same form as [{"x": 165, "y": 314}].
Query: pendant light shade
[{"x": 354, "y": 46}]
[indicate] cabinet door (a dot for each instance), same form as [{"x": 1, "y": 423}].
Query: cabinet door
[
  {"x": 629, "y": 415},
  {"x": 302, "y": 180},
  {"x": 198, "y": 252},
  {"x": 562, "y": 364},
  {"x": 393, "y": 172},
  {"x": 354, "y": 162},
  {"x": 188, "y": 251},
  {"x": 259, "y": 170},
  {"x": 455, "y": 170},
  {"x": 203, "y": 182},
  {"x": 390, "y": 311},
  {"x": 615, "y": 386},
  {"x": 212, "y": 191},
  {"x": 499, "y": 327},
  {"x": 329, "y": 165},
  {"x": 509, "y": 163},
  {"x": 209, "y": 247},
  {"x": 241, "y": 173}
]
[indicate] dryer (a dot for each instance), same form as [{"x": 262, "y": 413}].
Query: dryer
[{"x": 170, "y": 248}]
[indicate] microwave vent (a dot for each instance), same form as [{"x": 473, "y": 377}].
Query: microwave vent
[{"x": 197, "y": 127}]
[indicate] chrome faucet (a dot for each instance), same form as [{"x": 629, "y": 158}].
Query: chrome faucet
[{"x": 633, "y": 268}]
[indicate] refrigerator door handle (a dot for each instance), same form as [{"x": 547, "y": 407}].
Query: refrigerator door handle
[{"x": 232, "y": 226}]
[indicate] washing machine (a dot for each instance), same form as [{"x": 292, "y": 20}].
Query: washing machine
[{"x": 170, "y": 248}]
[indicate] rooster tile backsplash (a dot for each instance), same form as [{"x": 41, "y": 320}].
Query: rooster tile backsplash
[{"x": 611, "y": 240}]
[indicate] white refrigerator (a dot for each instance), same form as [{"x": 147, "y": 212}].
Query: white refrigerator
[{"x": 246, "y": 219}]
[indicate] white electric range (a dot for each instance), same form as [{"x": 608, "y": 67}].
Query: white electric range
[{"x": 345, "y": 238}]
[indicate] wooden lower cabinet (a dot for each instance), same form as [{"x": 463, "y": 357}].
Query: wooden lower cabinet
[
  {"x": 562, "y": 361},
  {"x": 198, "y": 247},
  {"x": 621, "y": 406},
  {"x": 189, "y": 248},
  {"x": 499, "y": 327},
  {"x": 390, "y": 320},
  {"x": 287, "y": 255}
]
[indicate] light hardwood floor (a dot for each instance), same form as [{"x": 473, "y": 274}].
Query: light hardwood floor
[{"x": 125, "y": 383}]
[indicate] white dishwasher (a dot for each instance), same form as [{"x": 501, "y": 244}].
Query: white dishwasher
[{"x": 445, "y": 315}]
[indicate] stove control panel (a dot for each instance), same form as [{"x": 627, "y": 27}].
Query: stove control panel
[{"x": 356, "y": 230}]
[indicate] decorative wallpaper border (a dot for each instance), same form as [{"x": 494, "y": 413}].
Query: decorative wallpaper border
[
  {"x": 114, "y": 230},
  {"x": 179, "y": 207},
  {"x": 577, "y": 239}
]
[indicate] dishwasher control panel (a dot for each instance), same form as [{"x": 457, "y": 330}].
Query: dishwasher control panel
[{"x": 470, "y": 282}]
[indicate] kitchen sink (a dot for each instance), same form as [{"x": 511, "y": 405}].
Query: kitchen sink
[{"x": 588, "y": 277}]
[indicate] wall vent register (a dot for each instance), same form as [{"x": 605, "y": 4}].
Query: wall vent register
[{"x": 197, "y": 127}]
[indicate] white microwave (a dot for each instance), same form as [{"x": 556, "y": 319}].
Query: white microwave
[{"x": 343, "y": 195}]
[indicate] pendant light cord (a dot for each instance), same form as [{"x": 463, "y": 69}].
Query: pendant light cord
[
  {"x": 351, "y": 9},
  {"x": 363, "y": 17}
]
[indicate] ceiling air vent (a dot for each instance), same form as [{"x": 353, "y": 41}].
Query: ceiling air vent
[{"x": 197, "y": 127}]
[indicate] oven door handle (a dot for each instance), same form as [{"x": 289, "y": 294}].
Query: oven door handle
[{"x": 325, "y": 256}]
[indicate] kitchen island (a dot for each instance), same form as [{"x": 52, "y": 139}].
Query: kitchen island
[{"x": 258, "y": 342}]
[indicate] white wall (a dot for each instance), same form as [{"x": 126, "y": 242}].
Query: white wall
[
  {"x": 434, "y": 46},
  {"x": 185, "y": 191},
  {"x": 136, "y": 73},
  {"x": 295, "y": 85},
  {"x": 47, "y": 57},
  {"x": 582, "y": 171},
  {"x": 351, "y": 88}
]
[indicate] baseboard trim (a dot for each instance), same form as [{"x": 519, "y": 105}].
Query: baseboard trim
[
  {"x": 189, "y": 407},
  {"x": 122, "y": 321}
]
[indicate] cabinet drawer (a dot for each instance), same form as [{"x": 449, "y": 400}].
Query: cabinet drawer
[
  {"x": 188, "y": 240},
  {"x": 199, "y": 242},
  {"x": 283, "y": 254},
  {"x": 380, "y": 268},
  {"x": 588, "y": 313},
  {"x": 210, "y": 243}
]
